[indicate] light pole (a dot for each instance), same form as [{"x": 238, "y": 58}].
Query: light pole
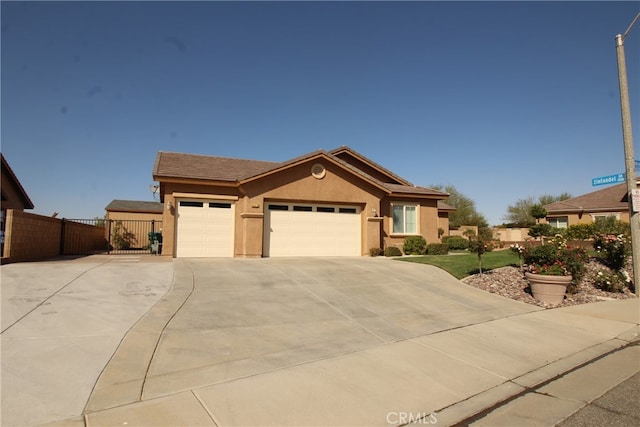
[{"x": 629, "y": 157}]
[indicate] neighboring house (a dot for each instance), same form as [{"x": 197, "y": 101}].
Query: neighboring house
[
  {"x": 585, "y": 209},
  {"x": 134, "y": 210},
  {"x": 324, "y": 203},
  {"x": 129, "y": 223},
  {"x": 13, "y": 196}
]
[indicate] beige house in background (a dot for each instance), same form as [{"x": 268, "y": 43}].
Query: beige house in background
[
  {"x": 585, "y": 209},
  {"x": 324, "y": 203}
]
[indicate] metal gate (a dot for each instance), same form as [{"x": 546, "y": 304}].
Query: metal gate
[
  {"x": 93, "y": 236},
  {"x": 134, "y": 236}
]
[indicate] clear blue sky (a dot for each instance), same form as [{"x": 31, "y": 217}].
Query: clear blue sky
[{"x": 503, "y": 100}]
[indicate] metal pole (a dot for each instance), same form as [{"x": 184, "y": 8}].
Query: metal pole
[{"x": 629, "y": 162}]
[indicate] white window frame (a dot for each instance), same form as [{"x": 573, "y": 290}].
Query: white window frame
[
  {"x": 404, "y": 231},
  {"x": 595, "y": 216},
  {"x": 557, "y": 219}
]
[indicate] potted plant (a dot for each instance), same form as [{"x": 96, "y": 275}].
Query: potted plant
[{"x": 554, "y": 268}]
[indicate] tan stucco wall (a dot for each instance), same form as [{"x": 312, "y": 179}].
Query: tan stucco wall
[
  {"x": 338, "y": 186},
  {"x": 428, "y": 225},
  {"x": 588, "y": 217}
]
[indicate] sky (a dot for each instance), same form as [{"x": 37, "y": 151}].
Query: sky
[{"x": 502, "y": 100}]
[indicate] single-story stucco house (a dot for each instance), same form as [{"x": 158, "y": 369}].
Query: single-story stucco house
[
  {"x": 324, "y": 203},
  {"x": 585, "y": 209}
]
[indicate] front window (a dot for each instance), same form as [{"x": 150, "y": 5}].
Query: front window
[
  {"x": 404, "y": 219},
  {"x": 558, "y": 221}
]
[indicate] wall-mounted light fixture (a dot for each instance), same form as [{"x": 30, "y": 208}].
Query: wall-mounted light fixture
[
  {"x": 169, "y": 206},
  {"x": 374, "y": 212}
]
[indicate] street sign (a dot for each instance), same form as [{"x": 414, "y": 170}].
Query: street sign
[{"x": 610, "y": 179}]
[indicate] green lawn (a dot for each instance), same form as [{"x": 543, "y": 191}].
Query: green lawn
[{"x": 463, "y": 265}]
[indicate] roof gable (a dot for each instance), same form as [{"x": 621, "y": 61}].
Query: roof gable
[
  {"x": 15, "y": 183},
  {"x": 368, "y": 166}
]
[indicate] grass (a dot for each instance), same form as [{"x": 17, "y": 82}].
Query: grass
[{"x": 463, "y": 265}]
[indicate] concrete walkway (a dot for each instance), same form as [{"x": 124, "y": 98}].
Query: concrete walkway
[{"x": 343, "y": 342}]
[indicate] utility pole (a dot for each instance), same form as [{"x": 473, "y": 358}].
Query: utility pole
[{"x": 629, "y": 157}]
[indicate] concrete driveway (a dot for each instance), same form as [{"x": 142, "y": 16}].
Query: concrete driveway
[
  {"x": 332, "y": 341},
  {"x": 62, "y": 320}
]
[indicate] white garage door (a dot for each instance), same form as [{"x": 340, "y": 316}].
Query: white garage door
[
  {"x": 205, "y": 228},
  {"x": 312, "y": 230}
]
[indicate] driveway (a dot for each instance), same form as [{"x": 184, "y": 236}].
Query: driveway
[
  {"x": 302, "y": 341},
  {"x": 62, "y": 320}
]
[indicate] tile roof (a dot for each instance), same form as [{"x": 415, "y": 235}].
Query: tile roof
[
  {"x": 406, "y": 189},
  {"x": 134, "y": 206},
  {"x": 194, "y": 166},
  {"x": 608, "y": 199}
]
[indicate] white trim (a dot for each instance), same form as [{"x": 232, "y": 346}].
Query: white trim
[
  {"x": 404, "y": 233},
  {"x": 203, "y": 196}
]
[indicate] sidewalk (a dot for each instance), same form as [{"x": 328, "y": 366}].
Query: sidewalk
[
  {"x": 600, "y": 392},
  {"x": 522, "y": 367}
]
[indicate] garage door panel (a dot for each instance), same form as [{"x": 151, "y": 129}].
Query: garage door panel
[
  {"x": 205, "y": 229},
  {"x": 316, "y": 233}
]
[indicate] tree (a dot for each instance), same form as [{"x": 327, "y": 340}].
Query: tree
[
  {"x": 466, "y": 213},
  {"x": 519, "y": 214},
  {"x": 481, "y": 244},
  {"x": 538, "y": 212}
]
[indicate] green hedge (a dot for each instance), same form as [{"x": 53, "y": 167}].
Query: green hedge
[
  {"x": 437, "y": 249},
  {"x": 456, "y": 242},
  {"x": 392, "y": 251},
  {"x": 415, "y": 245}
]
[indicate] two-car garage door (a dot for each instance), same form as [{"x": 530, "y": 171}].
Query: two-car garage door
[{"x": 311, "y": 230}]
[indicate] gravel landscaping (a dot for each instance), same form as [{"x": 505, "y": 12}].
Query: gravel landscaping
[{"x": 509, "y": 282}]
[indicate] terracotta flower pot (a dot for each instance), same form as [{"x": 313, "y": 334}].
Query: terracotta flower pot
[{"x": 549, "y": 289}]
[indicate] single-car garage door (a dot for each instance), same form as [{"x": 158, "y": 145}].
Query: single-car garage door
[
  {"x": 205, "y": 228},
  {"x": 312, "y": 230}
]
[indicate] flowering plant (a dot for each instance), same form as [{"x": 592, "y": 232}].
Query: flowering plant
[
  {"x": 556, "y": 268},
  {"x": 612, "y": 250}
]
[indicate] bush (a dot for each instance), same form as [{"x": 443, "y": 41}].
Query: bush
[
  {"x": 437, "y": 249},
  {"x": 612, "y": 250},
  {"x": 610, "y": 225},
  {"x": 573, "y": 259},
  {"x": 611, "y": 281},
  {"x": 456, "y": 242},
  {"x": 415, "y": 245},
  {"x": 375, "y": 252},
  {"x": 392, "y": 251},
  {"x": 541, "y": 255},
  {"x": 541, "y": 230},
  {"x": 579, "y": 231}
]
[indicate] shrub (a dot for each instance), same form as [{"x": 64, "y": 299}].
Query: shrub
[
  {"x": 579, "y": 231},
  {"x": 375, "y": 252},
  {"x": 541, "y": 230},
  {"x": 611, "y": 281},
  {"x": 392, "y": 251},
  {"x": 456, "y": 242},
  {"x": 415, "y": 245},
  {"x": 437, "y": 249},
  {"x": 573, "y": 259},
  {"x": 612, "y": 250},
  {"x": 610, "y": 225}
]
